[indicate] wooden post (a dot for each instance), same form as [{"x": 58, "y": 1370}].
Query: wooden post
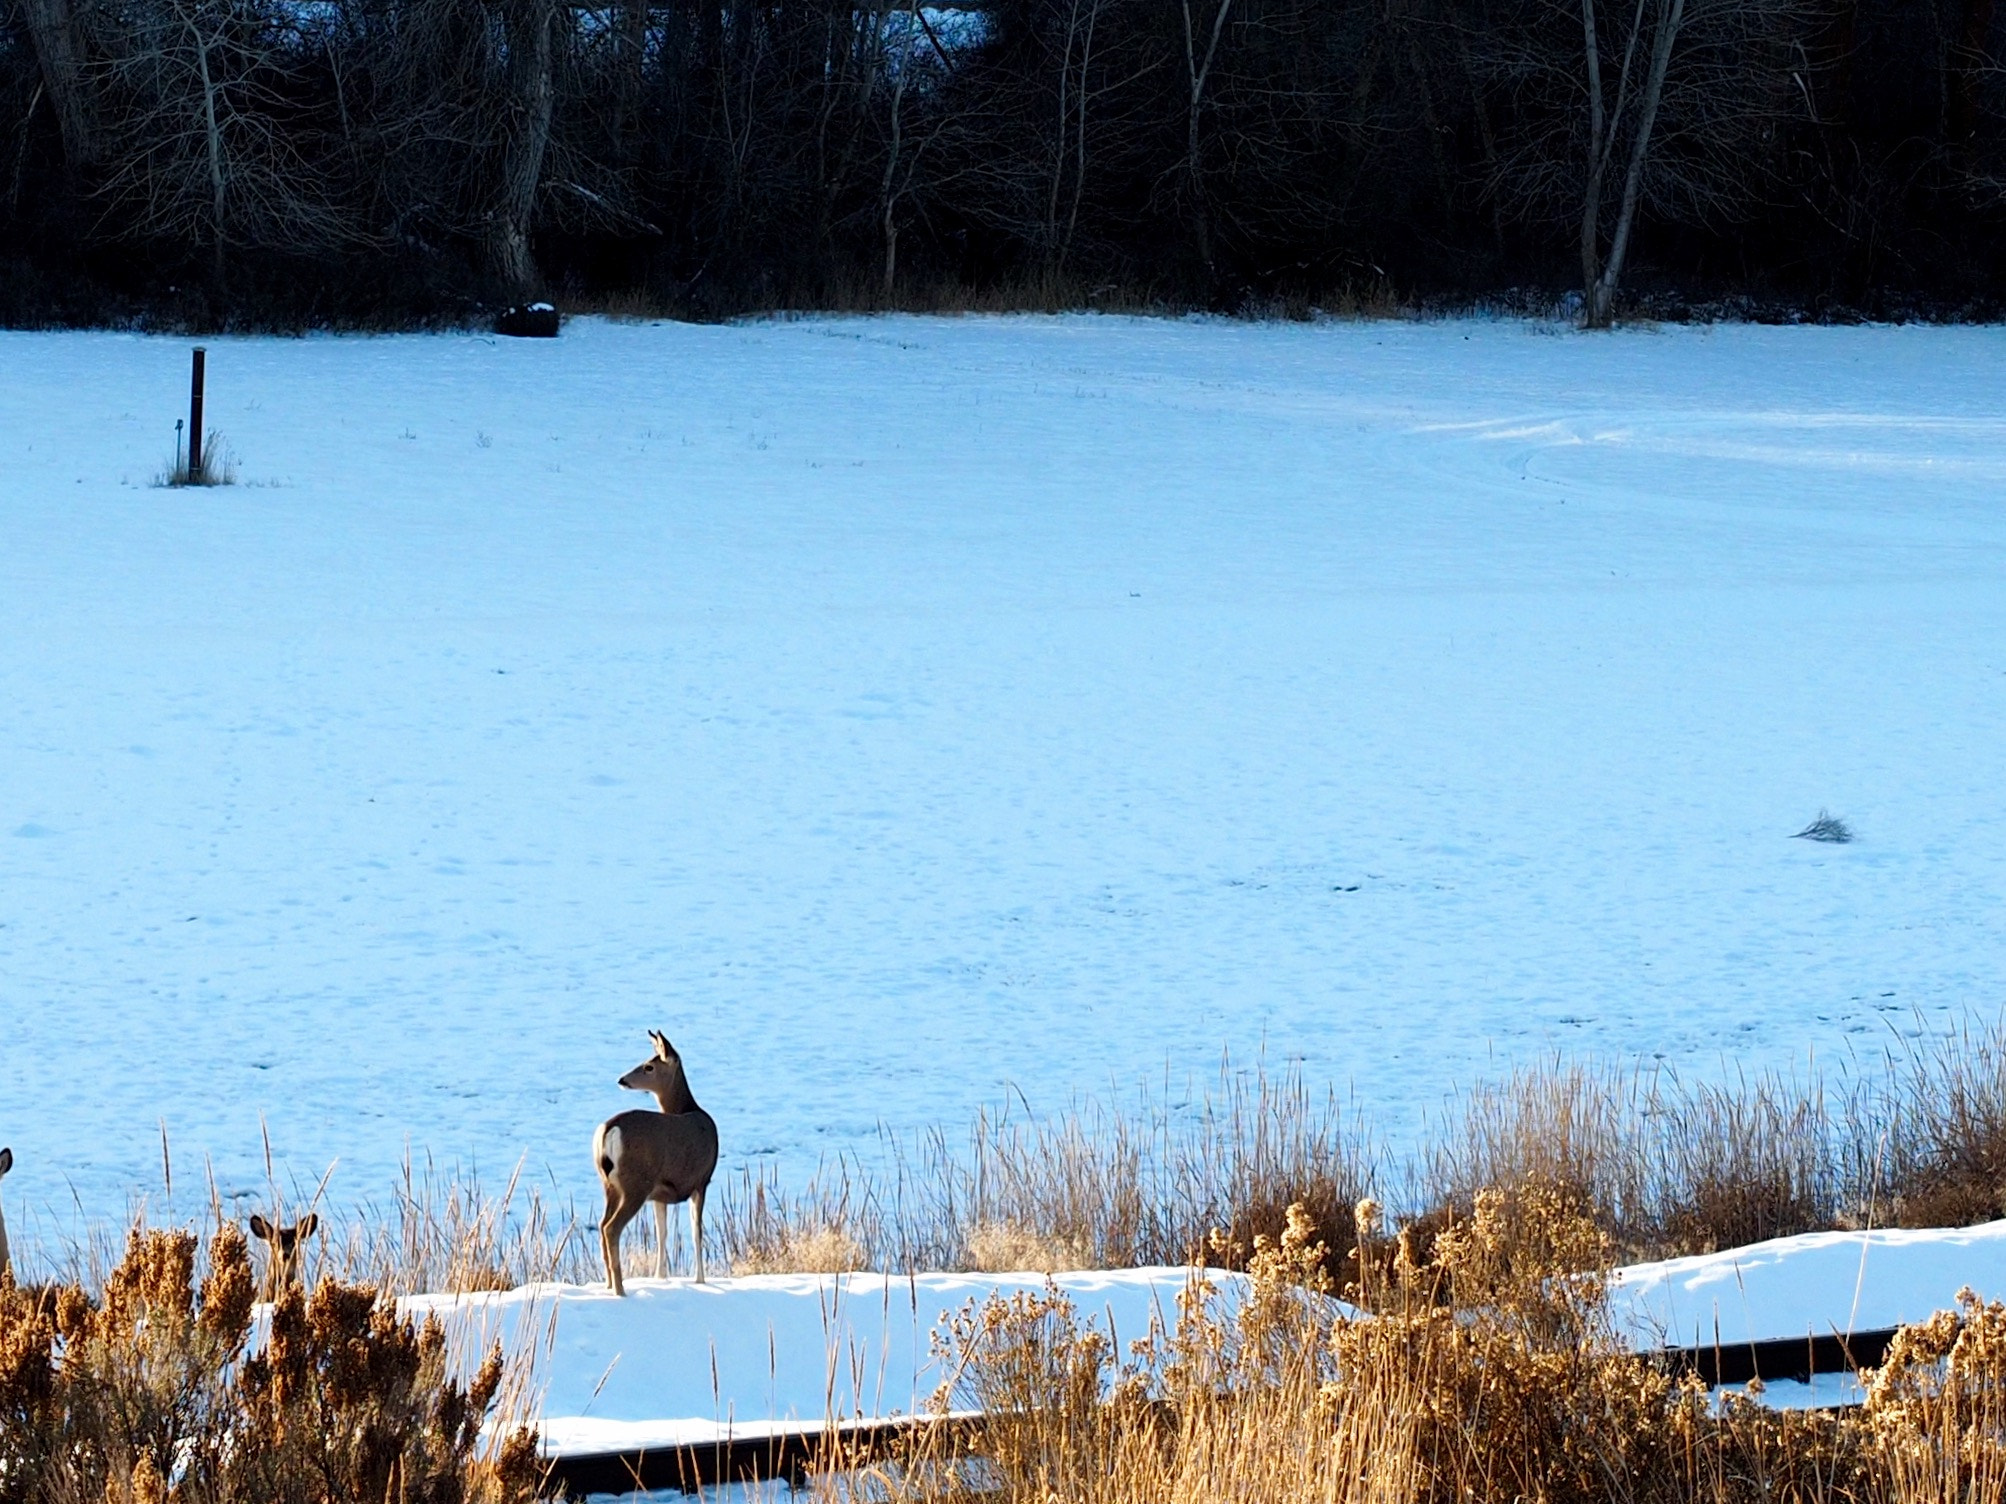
[{"x": 195, "y": 419}]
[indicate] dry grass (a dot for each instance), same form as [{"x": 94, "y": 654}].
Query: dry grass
[
  {"x": 1663, "y": 1168},
  {"x": 219, "y": 466},
  {"x": 448, "y": 1234},
  {"x": 1489, "y": 1376},
  {"x": 821, "y": 1250},
  {"x": 1486, "y": 1369},
  {"x": 1000, "y": 1248},
  {"x": 150, "y": 1391},
  {"x": 1148, "y": 1185},
  {"x": 1940, "y": 1120}
]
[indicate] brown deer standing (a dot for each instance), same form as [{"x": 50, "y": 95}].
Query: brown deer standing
[
  {"x": 284, "y": 1245},
  {"x": 660, "y": 1157},
  {"x": 6, "y": 1264}
]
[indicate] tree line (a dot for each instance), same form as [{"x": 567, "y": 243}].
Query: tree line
[{"x": 383, "y": 161}]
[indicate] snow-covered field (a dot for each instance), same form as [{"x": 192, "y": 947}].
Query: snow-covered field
[{"x": 899, "y": 711}]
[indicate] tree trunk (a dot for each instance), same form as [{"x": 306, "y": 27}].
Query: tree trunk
[
  {"x": 526, "y": 26},
  {"x": 887, "y": 197},
  {"x": 1601, "y": 309},
  {"x": 1591, "y": 199},
  {"x": 1968, "y": 64},
  {"x": 212, "y": 139},
  {"x": 59, "y": 47},
  {"x": 1079, "y": 138},
  {"x": 630, "y": 65},
  {"x": 1197, "y": 71}
]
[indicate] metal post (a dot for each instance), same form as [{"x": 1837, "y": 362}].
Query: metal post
[{"x": 195, "y": 419}]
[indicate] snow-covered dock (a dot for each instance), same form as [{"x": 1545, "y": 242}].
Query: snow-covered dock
[
  {"x": 677, "y": 1364},
  {"x": 680, "y": 1366}
]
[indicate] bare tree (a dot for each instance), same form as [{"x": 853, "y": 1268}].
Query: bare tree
[
  {"x": 1680, "y": 107},
  {"x": 526, "y": 104},
  {"x": 204, "y": 142},
  {"x": 1197, "y": 70},
  {"x": 59, "y": 47},
  {"x": 1660, "y": 20},
  {"x": 1075, "y": 96},
  {"x": 915, "y": 49}
]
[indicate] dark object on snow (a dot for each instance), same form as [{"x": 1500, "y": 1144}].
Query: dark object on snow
[
  {"x": 195, "y": 384},
  {"x": 791, "y": 1454},
  {"x": 1797, "y": 1359},
  {"x": 1827, "y": 827},
  {"x": 528, "y": 321}
]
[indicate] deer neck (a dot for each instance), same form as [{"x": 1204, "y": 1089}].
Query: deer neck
[{"x": 675, "y": 1096}]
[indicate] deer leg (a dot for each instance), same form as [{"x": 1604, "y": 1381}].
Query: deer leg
[
  {"x": 661, "y": 1240},
  {"x": 619, "y": 1212},
  {"x": 696, "y": 1226}
]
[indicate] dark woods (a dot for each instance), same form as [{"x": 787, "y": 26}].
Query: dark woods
[{"x": 284, "y": 162}]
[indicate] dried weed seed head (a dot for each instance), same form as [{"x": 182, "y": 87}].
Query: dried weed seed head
[
  {"x": 74, "y": 1310},
  {"x": 228, "y": 1290},
  {"x": 152, "y": 1291},
  {"x": 27, "y": 1354},
  {"x": 146, "y": 1485}
]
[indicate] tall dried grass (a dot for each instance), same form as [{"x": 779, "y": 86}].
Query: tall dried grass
[
  {"x": 1940, "y": 1114},
  {"x": 1149, "y": 1184},
  {"x": 1663, "y": 1167}
]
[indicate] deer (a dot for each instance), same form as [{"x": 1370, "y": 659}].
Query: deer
[
  {"x": 6, "y": 1263},
  {"x": 660, "y": 1157},
  {"x": 285, "y": 1245}
]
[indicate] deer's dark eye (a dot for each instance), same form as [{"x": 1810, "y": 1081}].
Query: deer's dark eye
[{"x": 651, "y": 1069}]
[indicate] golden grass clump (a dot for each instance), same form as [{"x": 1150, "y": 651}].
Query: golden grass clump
[
  {"x": 832, "y": 1227},
  {"x": 156, "y": 1393},
  {"x": 818, "y": 1250},
  {"x": 1001, "y": 1248}
]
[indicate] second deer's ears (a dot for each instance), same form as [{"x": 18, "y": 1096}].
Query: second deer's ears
[
  {"x": 662, "y": 1049},
  {"x": 260, "y": 1228},
  {"x": 6, "y": 1160},
  {"x": 307, "y": 1224}
]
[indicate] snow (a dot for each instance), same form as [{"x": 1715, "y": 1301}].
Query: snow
[
  {"x": 681, "y": 1364},
  {"x": 1825, "y": 1391},
  {"x": 678, "y": 1364},
  {"x": 1814, "y": 1285},
  {"x": 904, "y": 713}
]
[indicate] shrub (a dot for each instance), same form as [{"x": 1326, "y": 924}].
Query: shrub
[
  {"x": 219, "y": 465},
  {"x": 1826, "y": 827},
  {"x": 157, "y": 1383}
]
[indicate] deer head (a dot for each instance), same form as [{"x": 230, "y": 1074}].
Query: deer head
[
  {"x": 661, "y": 1074},
  {"x": 285, "y": 1245}
]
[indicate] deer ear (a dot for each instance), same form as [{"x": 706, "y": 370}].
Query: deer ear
[
  {"x": 6, "y": 1160},
  {"x": 662, "y": 1050},
  {"x": 260, "y": 1228},
  {"x": 307, "y": 1225}
]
